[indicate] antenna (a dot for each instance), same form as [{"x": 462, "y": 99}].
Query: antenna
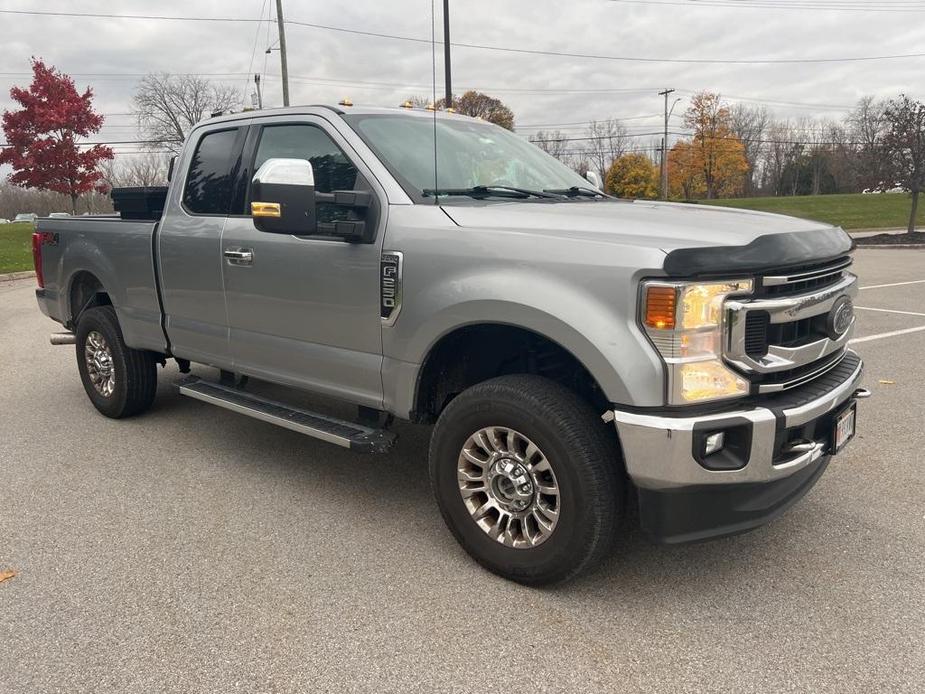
[{"x": 433, "y": 61}]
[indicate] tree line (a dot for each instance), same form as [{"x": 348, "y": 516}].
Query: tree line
[
  {"x": 744, "y": 151},
  {"x": 724, "y": 151}
]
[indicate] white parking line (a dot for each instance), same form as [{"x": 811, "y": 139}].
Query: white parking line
[
  {"x": 881, "y": 336},
  {"x": 895, "y": 284},
  {"x": 889, "y": 310}
]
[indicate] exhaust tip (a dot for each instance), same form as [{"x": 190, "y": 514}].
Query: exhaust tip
[{"x": 63, "y": 339}]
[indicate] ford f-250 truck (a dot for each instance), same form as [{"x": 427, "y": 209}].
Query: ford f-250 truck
[{"x": 568, "y": 347}]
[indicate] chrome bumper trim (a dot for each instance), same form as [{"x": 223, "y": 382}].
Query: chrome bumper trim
[{"x": 658, "y": 450}]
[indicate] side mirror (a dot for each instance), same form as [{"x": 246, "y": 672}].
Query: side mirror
[
  {"x": 594, "y": 179},
  {"x": 283, "y": 195}
]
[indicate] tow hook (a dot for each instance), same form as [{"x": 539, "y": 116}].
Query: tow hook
[
  {"x": 63, "y": 339},
  {"x": 861, "y": 394}
]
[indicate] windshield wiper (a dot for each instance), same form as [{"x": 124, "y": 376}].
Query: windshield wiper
[
  {"x": 576, "y": 192},
  {"x": 480, "y": 192}
]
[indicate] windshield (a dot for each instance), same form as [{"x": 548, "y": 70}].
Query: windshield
[{"x": 470, "y": 153}]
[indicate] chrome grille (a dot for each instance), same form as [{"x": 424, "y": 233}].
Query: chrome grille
[
  {"x": 779, "y": 338},
  {"x": 804, "y": 279}
]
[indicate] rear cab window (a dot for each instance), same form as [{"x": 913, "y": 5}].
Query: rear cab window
[{"x": 210, "y": 182}]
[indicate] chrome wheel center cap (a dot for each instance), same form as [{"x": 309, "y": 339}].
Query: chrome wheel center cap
[{"x": 511, "y": 484}]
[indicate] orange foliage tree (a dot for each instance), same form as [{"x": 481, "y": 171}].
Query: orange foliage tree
[
  {"x": 685, "y": 172},
  {"x": 715, "y": 164},
  {"x": 632, "y": 176}
]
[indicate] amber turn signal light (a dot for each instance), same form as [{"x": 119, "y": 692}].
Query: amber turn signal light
[
  {"x": 661, "y": 305},
  {"x": 265, "y": 209}
]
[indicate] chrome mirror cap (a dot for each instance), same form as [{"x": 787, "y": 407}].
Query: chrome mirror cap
[{"x": 286, "y": 172}]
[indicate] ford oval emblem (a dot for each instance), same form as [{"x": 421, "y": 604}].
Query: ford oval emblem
[{"x": 840, "y": 317}]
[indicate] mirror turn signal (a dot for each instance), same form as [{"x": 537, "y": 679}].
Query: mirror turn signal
[{"x": 266, "y": 209}]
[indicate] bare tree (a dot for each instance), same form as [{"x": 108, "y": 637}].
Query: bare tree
[
  {"x": 147, "y": 169},
  {"x": 868, "y": 127},
  {"x": 780, "y": 159},
  {"x": 168, "y": 106},
  {"x": 608, "y": 141},
  {"x": 15, "y": 199},
  {"x": 842, "y": 155},
  {"x": 553, "y": 142},
  {"x": 904, "y": 144},
  {"x": 750, "y": 125}
]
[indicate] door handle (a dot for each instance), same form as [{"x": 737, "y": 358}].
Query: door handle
[{"x": 239, "y": 256}]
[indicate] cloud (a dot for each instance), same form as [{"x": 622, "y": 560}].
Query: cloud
[{"x": 327, "y": 66}]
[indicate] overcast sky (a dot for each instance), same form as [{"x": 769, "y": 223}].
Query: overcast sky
[{"x": 327, "y": 65}]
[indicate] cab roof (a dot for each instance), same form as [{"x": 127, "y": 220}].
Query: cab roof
[{"x": 327, "y": 109}]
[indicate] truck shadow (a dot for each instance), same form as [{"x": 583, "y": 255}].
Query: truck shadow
[{"x": 394, "y": 490}]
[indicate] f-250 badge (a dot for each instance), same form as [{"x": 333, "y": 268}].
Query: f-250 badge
[{"x": 390, "y": 266}]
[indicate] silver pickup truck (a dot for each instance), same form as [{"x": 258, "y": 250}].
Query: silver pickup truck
[{"x": 571, "y": 350}]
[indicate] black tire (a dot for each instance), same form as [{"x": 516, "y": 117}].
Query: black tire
[
  {"x": 135, "y": 371},
  {"x": 585, "y": 458}
]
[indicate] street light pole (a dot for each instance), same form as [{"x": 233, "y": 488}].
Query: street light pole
[
  {"x": 284, "y": 65},
  {"x": 666, "y": 94},
  {"x": 259, "y": 93},
  {"x": 446, "y": 55}
]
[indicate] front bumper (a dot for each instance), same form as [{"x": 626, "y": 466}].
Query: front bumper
[{"x": 682, "y": 499}]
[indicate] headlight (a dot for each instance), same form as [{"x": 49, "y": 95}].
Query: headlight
[{"x": 685, "y": 320}]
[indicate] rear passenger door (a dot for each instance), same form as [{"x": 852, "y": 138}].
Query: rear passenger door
[
  {"x": 189, "y": 249},
  {"x": 304, "y": 310}
]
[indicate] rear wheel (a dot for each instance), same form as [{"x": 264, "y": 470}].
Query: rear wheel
[
  {"x": 120, "y": 381},
  {"x": 527, "y": 478}
]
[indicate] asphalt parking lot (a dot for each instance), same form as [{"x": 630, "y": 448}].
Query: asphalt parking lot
[{"x": 195, "y": 550}]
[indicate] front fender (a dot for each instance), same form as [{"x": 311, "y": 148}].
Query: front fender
[{"x": 598, "y": 330}]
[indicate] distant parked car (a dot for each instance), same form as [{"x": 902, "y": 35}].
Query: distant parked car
[
  {"x": 897, "y": 188},
  {"x": 25, "y": 217},
  {"x": 4, "y": 221},
  {"x": 54, "y": 215}
]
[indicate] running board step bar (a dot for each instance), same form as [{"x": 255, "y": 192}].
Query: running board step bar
[{"x": 356, "y": 437}]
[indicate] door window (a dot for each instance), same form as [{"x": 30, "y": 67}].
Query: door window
[
  {"x": 210, "y": 183},
  {"x": 331, "y": 167},
  {"x": 333, "y": 171}
]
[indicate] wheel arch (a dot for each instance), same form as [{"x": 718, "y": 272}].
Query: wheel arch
[
  {"x": 84, "y": 291},
  {"x": 455, "y": 362}
]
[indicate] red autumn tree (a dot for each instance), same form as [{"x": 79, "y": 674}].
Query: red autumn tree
[{"x": 42, "y": 136}]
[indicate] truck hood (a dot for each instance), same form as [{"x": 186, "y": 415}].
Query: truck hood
[{"x": 696, "y": 239}]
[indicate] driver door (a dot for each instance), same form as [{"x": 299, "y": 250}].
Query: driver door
[{"x": 304, "y": 311}]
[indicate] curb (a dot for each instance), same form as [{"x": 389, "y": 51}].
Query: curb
[
  {"x": 891, "y": 245},
  {"x": 9, "y": 277},
  {"x": 881, "y": 230}
]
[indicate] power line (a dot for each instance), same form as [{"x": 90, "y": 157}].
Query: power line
[
  {"x": 247, "y": 80},
  {"x": 503, "y": 49},
  {"x": 838, "y": 5}
]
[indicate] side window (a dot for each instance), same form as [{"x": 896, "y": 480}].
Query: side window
[
  {"x": 333, "y": 171},
  {"x": 210, "y": 183}
]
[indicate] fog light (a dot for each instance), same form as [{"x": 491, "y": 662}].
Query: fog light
[{"x": 714, "y": 443}]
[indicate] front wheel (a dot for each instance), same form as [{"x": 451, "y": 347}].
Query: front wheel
[
  {"x": 527, "y": 478},
  {"x": 120, "y": 381}
]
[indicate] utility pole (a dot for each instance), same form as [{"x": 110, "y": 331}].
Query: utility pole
[
  {"x": 259, "y": 94},
  {"x": 284, "y": 66},
  {"x": 666, "y": 94},
  {"x": 446, "y": 54}
]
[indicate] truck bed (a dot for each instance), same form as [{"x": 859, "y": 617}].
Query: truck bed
[{"x": 120, "y": 255}]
